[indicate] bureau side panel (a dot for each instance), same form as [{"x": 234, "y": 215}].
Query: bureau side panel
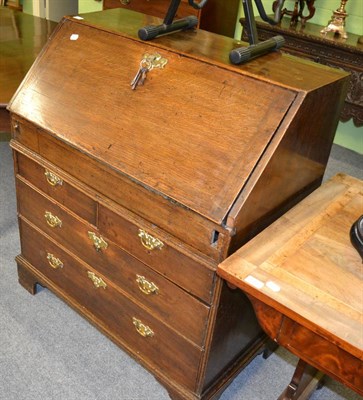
[
  {"x": 294, "y": 164},
  {"x": 237, "y": 338}
]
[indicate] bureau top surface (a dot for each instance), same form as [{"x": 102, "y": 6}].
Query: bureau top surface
[{"x": 193, "y": 132}]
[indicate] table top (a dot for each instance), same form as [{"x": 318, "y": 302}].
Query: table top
[
  {"x": 22, "y": 36},
  {"x": 304, "y": 265}
]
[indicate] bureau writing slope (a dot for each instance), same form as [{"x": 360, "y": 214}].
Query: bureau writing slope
[{"x": 129, "y": 199}]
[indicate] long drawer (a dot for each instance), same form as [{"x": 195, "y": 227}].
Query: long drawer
[
  {"x": 181, "y": 311},
  {"x": 149, "y": 338}
]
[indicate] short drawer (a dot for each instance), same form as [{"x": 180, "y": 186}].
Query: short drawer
[
  {"x": 25, "y": 133},
  {"x": 177, "y": 308},
  {"x": 147, "y": 338},
  {"x": 51, "y": 183},
  {"x": 155, "y": 251}
]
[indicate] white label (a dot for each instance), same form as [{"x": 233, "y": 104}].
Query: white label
[
  {"x": 273, "y": 286},
  {"x": 254, "y": 282},
  {"x": 74, "y": 36}
]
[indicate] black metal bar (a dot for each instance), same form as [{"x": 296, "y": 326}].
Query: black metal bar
[
  {"x": 196, "y": 5},
  {"x": 170, "y": 14},
  {"x": 256, "y": 48},
  {"x": 244, "y": 54},
  {"x": 277, "y": 15},
  {"x": 251, "y": 23},
  {"x": 152, "y": 31}
]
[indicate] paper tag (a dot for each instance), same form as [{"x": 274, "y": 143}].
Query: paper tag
[
  {"x": 254, "y": 282},
  {"x": 273, "y": 286},
  {"x": 74, "y": 36}
]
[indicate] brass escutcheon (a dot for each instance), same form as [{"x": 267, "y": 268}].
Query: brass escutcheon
[
  {"x": 155, "y": 60},
  {"x": 98, "y": 241},
  {"x": 98, "y": 282},
  {"x": 145, "y": 286},
  {"x": 52, "y": 178},
  {"x": 149, "y": 241},
  {"x": 54, "y": 262},
  {"x": 52, "y": 220},
  {"x": 142, "y": 329}
]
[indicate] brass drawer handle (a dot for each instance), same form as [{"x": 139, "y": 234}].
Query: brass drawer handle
[
  {"x": 54, "y": 262},
  {"x": 98, "y": 242},
  {"x": 142, "y": 329},
  {"x": 52, "y": 178},
  {"x": 98, "y": 282},
  {"x": 125, "y": 2},
  {"x": 52, "y": 220},
  {"x": 149, "y": 241},
  {"x": 145, "y": 286}
]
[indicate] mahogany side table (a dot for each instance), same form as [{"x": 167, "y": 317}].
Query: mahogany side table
[{"x": 304, "y": 279}]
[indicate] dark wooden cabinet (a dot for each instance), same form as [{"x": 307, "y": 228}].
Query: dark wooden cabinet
[
  {"x": 218, "y": 16},
  {"x": 335, "y": 52},
  {"x": 129, "y": 199},
  {"x": 156, "y": 8}
]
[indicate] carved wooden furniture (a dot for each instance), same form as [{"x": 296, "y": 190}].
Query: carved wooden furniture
[
  {"x": 299, "y": 11},
  {"x": 129, "y": 199},
  {"x": 304, "y": 279},
  {"x": 17, "y": 54},
  {"x": 218, "y": 16},
  {"x": 335, "y": 52}
]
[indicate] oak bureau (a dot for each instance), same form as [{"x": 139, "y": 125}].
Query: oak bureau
[{"x": 129, "y": 199}]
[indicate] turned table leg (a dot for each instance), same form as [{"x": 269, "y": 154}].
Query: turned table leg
[{"x": 304, "y": 381}]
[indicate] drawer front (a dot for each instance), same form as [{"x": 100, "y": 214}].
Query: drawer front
[
  {"x": 322, "y": 353},
  {"x": 183, "y": 312},
  {"x": 146, "y": 337},
  {"x": 25, "y": 133},
  {"x": 169, "y": 262},
  {"x": 52, "y": 184},
  {"x": 154, "y": 251}
]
